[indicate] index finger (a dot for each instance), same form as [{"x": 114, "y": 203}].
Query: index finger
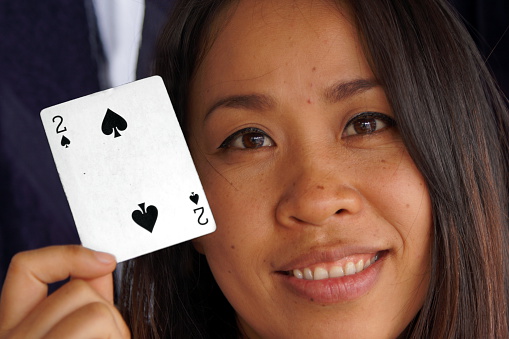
[{"x": 29, "y": 274}]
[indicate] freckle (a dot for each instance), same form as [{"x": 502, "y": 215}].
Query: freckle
[
  {"x": 383, "y": 160},
  {"x": 309, "y": 101},
  {"x": 314, "y": 69},
  {"x": 407, "y": 205},
  {"x": 229, "y": 271},
  {"x": 320, "y": 187},
  {"x": 311, "y": 299},
  {"x": 233, "y": 247}
]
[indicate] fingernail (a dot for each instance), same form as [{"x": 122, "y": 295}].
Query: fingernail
[{"x": 105, "y": 258}]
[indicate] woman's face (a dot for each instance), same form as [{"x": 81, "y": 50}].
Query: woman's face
[{"x": 323, "y": 220}]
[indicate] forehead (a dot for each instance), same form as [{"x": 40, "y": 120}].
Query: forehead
[{"x": 263, "y": 39}]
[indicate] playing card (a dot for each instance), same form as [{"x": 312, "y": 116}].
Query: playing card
[{"x": 126, "y": 170}]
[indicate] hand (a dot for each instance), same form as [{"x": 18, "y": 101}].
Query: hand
[{"x": 82, "y": 308}]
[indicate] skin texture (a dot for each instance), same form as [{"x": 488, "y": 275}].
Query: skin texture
[{"x": 314, "y": 191}]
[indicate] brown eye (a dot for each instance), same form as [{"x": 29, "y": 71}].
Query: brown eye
[
  {"x": 252, "y": 140},
  {"x": 367, "y": 123},
  {"x": 365, "y": 126},
  {"x": 247, "y": 138}
]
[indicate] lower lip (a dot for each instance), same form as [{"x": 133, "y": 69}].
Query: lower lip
[{"x": 335, "y": 290}]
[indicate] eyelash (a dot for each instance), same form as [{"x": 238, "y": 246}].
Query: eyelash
[
  {"x": 385, "y": 119},
  {"x": 228, "y": 142}
]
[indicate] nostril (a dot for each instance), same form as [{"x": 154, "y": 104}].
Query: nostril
[{"x": 339, "y": 211}]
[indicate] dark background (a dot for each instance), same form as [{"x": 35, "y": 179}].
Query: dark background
[{"x": 50, "y": 52}]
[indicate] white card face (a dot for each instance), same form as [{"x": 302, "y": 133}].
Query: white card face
[{"x": 127, "y": 171}]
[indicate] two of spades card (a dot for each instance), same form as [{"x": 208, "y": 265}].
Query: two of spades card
[{"x": 126, "y": 170}]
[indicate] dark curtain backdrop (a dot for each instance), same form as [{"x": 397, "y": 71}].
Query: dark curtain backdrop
[{"x": 50, "y": 53}]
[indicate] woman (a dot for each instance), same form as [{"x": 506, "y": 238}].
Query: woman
[{"x": 355, "y": 156}]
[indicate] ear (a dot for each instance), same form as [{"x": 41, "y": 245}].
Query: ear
[{"x": 198, "y": 246}]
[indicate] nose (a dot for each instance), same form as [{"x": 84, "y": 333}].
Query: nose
[{"x": 316, "y": 194}]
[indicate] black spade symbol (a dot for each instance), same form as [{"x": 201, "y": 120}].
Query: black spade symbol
[
  {"x": 145, "y": 218},
  {"x": 194, "y": 198},
  {"x": 65, "y": 142},
  {"x": 113, "y": 122}
]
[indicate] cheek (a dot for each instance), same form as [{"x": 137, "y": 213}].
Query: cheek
[
  {"x": 397, "y": 194},
  {"x": 398, "y": 191},
  {"x": 237, "y": 194},
  {"x": 241, "y": 210},
  {"x": 402, "y": 199}
]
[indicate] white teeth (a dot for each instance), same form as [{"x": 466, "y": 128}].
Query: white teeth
[
  {"x": 359, "y": 266},
  {"x": 367, "y": 264},
  {"x": 308, "y": 275},
  {"x": 336, "y": 272},
  {"x": 320, "y": 273},
  {"x": 350, "y": 268}
]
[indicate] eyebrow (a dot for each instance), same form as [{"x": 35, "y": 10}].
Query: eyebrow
[
  {"x": 249, "y": 101},
  {"x": 335, "y": 93},
  {"x": 342, "y": 90}
]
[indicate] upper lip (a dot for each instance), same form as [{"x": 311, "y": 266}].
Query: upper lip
[{"x": 325, "y": 255}]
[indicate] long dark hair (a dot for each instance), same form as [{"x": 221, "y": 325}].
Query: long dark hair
[{"x": 455, "y": 125}]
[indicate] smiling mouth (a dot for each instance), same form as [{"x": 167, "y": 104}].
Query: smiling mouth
[{"x": 335, "y": 270}]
